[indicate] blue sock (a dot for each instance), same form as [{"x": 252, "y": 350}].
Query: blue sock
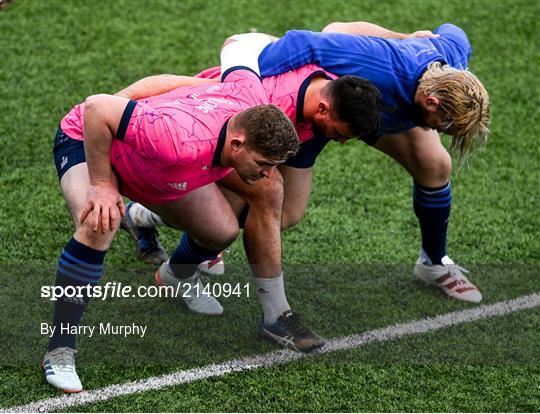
[
  {"x": 79, "y": 265},
  {"x": 432, "y": 207},
  {"x": 187, "y": 256}
]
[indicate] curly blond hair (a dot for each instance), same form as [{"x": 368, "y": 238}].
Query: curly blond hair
[{"x": 464, "y": 104}]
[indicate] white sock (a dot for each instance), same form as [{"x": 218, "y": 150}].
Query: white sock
[
  {"x": 271, "y": 292},
  {"x": 143, "y": 217}
]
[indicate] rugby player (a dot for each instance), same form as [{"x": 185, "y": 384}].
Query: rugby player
[
  {"x": 166, "y": 152},
  {"x": 320, "y": 106},
  {"x": 426, "y": 89}
]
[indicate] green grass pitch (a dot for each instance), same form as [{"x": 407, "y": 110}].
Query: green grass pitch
[{"x": 348, "y": 263}]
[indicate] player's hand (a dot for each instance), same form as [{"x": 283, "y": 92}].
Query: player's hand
[
  {"x": 422, "y": 33},
  {"x": 107, "y": 206}
]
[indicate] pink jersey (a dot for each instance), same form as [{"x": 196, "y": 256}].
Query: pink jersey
[
  {"x": 287, "y": 92},
  {"x": 172, "y": 142}
]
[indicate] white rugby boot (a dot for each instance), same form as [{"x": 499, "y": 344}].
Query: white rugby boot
[
  {"x": 449, "y": 278},
  {"x": 59, "y": 367},
  {"x": 190, "y": 290}
]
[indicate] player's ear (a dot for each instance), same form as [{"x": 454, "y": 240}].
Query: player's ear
[
  {"x": 324, "y": 107},
  {"x": 432, "y": 103},
  {"x": 238, "y": 141}
]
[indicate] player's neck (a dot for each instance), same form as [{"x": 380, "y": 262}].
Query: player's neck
[
  {"x": 225, "y": 159},
  {"x": 313, "y": 97}
]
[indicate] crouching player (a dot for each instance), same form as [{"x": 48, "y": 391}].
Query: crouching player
[
  {"x": 426, "y": 89},
  {"x": 320, "y": 106},
  {"x": 165, "y": 152}
]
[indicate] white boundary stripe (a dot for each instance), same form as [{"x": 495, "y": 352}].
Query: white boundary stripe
[{"x": 281, "y": 357}]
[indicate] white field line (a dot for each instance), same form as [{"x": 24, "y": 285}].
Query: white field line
[{"x": 281, "y": 357}]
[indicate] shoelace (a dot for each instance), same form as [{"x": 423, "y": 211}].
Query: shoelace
[
  {"x": 455, "y": 269},
  {"x": 292, "y": 322},
  {"x": 203, "y": 278},
  {"x": 64, "y": 358}
]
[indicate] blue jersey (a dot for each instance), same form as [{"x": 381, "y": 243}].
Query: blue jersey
[{"x": 394, "y": 66}]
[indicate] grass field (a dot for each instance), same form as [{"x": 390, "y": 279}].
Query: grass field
[{"x": 348, "y": 263}]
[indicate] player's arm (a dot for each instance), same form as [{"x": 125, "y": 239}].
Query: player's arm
[
  {"x": 102, "y": 115},
  {"x": 158, "y": 84},
  {"x": 370, "y": 29}
]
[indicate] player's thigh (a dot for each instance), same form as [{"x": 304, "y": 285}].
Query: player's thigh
[
  {"x": 74, "y": 184},
  {"x": 297, "y": 188},
  {"x": 421, "y": 153},
  {"x": 72, "y": 171},
  {"x": 237, "y": 203},
  {"x": 204, "y": 213}
]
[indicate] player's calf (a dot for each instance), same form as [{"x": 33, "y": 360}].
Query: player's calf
[{"x": 94, "y": 239}]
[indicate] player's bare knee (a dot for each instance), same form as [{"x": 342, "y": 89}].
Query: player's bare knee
[
  {"x": 220, "y": 238},
  {"x": 441, "y": 167},
  {"x": 274, "y": 187},
  {"x": 435, "y": 169},
  {"x": 445, "y": 167},
  {"x": 229, "y": 237},
  {"x": 94, "y": 239}
]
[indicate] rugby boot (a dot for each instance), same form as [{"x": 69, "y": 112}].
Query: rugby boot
[
  {"x": 289, "y": 332},
  {"x": 450, "y": 278},
  {"x": 59, "y": 367},
  {"x": 190, "y": 290}
]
